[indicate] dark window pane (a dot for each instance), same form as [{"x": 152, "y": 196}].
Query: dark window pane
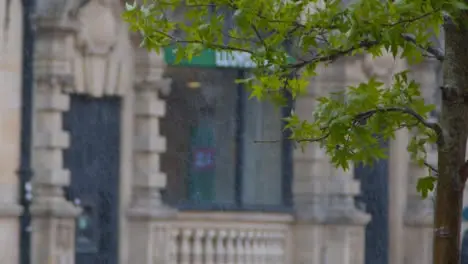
[{"x": 200, "y": 130}]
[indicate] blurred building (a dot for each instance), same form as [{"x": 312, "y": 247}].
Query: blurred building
[{"x": 110, "y": 154}]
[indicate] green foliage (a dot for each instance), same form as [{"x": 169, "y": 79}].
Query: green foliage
[
  {"x": 425, "y": 185},
  {"x": 350, "y": 124}
]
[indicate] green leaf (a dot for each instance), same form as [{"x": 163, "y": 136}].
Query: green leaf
[{"x": 426, "y": 185}]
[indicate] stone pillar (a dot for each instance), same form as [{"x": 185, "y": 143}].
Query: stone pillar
[
  {"x": 398, "y": 169},
  {"x": 328, "y": 224},
  {"x": 345, "y": 223},
  {"x": 419, "y": 213},
  {"x": 311, "y": 168},
  {"x": 53, "y": 217},
  {"x": 309, "y": 205},
  {"x": 418, "y": 221},
  {"x": 10, "y": 115},
  {"x": 345, "y": 233},
  {"x": 147, "y": 207}
]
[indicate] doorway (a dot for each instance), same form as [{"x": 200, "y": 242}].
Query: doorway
[{"x": 93, "y": 159}]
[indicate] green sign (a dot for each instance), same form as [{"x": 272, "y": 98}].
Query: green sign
[{"x": 212, "y": 59}]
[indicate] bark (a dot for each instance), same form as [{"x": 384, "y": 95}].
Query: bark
[{"x": 452, "y": 147}]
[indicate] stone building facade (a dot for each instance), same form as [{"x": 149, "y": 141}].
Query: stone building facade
[{"x": 113, "y": 133}]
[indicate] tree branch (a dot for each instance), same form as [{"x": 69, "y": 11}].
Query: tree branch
[
  {"x": 436, "y": 52},
  {"x": 216, "y": 46},
  {"x": 368, "y": 114},
  {"x": 432, "y": 125}
]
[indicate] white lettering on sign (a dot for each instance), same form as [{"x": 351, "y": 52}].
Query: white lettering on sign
[{"x": 236, "y": 59}]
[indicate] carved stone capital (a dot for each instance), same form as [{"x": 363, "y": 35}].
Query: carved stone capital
[
  {"x": 53, "y": 55},
  {"x": 49, "y": 81},
  {"x": 147, "y": 204},
  {"x": 101, "y": 50},
  {"x": 55, "y": 14},
  {"x": 59, "y": 207},
  {"x": 149, "y": 69},
  {"x": 99, "y": 27},
  {"x": 162, "y": 85},
  {"x": 149, "y": 65},
  {"x": 159, "y": 212}
]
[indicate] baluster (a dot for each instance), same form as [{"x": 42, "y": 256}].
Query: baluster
[
  {"x": 249, "y": 248},
  {"x": 270, "y": 250},
  {"x": 257, "y": 247},
  {"x": 173, "y": 249},
  {"x": 198, "y": 246},
  {"x": 263, "y": 247},
  {"x": 209, "y": 251},
  {"x": 186, "y": 249},
  {"x": 254, "y": 253},
  {"x": 220, "y": 249},
  {"x": 230, "y": 247},
  {"x": 240, "y": 249},
  {"x": 159, "y": 246},
  {"x": 280, "y": 248}
]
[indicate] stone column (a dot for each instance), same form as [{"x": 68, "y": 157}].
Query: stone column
[
  {"x": 328, "y": 224},
  {"x": 345, "y": 235},
  {"x": 419, "y": 213},
  {"x": 310, "y": 170},
  {"x": 418, "y": 221},
  {"x": 53, "y": 217},
  {"x": 147, "y": 208},
  {"x": 10, "y": 115},
  {"x": 345, "y": 223},
  {"x": 398, "y": 169},
  {"x": 309, "y": 196}
]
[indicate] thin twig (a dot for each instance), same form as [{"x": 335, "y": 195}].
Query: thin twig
[
  {"x": 259, "y": 36},
  {"x": 296, "y": 140},
  {"x": 432, "y": 168},
  {"x": 412, "y": 20},
  {"x": 335, "y": 55}
]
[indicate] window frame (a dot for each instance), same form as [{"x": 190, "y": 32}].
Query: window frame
[
  {"x": 287, "y": 147},
  {"x": 286, "y": 205}
]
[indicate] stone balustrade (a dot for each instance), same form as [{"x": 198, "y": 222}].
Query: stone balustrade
[{"x": 215, "y": 238}]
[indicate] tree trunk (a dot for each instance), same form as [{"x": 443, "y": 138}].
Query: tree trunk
[{"x": 452, "y": 147}]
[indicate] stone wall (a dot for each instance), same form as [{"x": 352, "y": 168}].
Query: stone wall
[{"x": 10, "y": 113}]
